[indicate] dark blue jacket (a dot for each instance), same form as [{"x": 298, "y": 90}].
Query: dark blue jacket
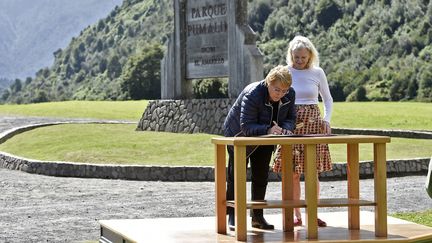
[{"x": 251, "y": 114}]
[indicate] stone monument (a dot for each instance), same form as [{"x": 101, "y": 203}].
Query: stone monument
[{"x": 211, "y": 38}]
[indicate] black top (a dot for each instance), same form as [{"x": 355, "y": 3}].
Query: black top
[{"x": 275, "y": 111}]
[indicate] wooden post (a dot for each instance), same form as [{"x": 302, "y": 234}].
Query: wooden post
[
  {"x": 220, "y": 182},
  {"x": 240, "y": 191},
  {"x": 380, "y": 183},
  {"x": 353, "y": 185},
  {"x": 287, "y": 189},
  {"x": 311, "y": 190}
]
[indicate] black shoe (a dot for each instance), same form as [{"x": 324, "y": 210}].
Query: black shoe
[
  {"x": 260, "y": 223},
  {"x": 231, "y": 222}
]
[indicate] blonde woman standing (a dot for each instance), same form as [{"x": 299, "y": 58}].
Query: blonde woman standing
[{"x": 309, "y": 81}]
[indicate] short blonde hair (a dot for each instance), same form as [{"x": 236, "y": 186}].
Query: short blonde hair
[
  {"x": 279, "y": 74},
  {"x": 300, "y": 42}
]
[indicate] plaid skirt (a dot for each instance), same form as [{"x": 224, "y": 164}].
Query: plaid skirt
[{"x": 308, "y": 121}]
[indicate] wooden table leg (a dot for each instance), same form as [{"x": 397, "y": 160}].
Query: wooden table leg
[
  {"x": 287, "y": 189},
  {"x": 240, "y": 192},
  {"x": 380, "y": 181},
  {"x": 311, "y": 190},
  {"x": 220, "y": 184},
  {"x": 353, "y": 185}
]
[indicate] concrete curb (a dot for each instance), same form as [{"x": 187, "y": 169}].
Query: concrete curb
[
  {"x": 384, "y": 132},
  {"x": 185, "y": 173},
  {"x": 171, "y": 173}
]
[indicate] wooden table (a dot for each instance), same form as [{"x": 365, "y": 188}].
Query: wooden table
[{"x": 353, "y": 201}]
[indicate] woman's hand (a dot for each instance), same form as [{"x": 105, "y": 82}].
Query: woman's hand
[
  {"x": 275, "y": 129},
  {"x": 326, "y": 127}
]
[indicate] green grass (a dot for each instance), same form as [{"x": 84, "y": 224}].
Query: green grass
[
  {"x": 120, "y": 110},
  {"x": 388, "y": 115},
  {"x": 398, "y": 148},
  {"x": 424, "y": 218},
  {"x": 111, "y": 143},
  {"x": 121, "y": 144}
]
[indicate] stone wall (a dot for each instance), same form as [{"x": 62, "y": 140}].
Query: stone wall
[
  {"x": 208, "y": 115},
  {"x": 184, "y": 173},
  {"x": 185, "y": 116}
]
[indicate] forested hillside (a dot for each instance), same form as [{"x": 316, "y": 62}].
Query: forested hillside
[
  {"x": 376, "y": 50},
  {"x": 370, "y": 50}
]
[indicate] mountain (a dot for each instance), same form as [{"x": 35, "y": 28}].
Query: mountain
[
  {"x": 370, "y": 50},
  {"x": 31, "y": 30},
  {"x": 91, "y": 65}
]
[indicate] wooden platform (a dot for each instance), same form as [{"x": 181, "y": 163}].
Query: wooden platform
[{"x": 203, "y": 230}]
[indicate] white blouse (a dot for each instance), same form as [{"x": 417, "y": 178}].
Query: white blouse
[{"x": 308, "y": 83}]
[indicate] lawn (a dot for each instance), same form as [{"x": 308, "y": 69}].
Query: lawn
[
  {"x": 388, "y": 115},
  {"x": 424, "y": 218},
  {"x": 118, "y": 110},
  {"x": 121, "y": 144}
]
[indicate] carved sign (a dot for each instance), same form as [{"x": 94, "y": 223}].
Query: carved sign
[{"x": 206, "y": 39}]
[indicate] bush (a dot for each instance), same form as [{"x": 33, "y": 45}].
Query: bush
[
  {"x": 358, "y": 95},
  {"x": 141, "y": 75},
  {"x": 210, "y": 88},
  {"x": 327, "y": 13}
]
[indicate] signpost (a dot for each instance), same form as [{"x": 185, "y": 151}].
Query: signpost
[
  {"x": 206, "y": 39},
  {"x": 211, "y": 39}
]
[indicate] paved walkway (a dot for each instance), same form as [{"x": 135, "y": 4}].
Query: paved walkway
[{"x": 37, "y": 208}]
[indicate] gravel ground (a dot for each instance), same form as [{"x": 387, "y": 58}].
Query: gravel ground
[{"x": 37, "y": 208}]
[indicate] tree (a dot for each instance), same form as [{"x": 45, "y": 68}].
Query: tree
[
  {"x": 28, "y": 80},
  {"x": 114, "y": 67},
  {"x": 425, "y": 84},
  {"x": 99, "y": 45},
  {"x": 5, "y": 95},
  {"x": 358, "y": 95},
  {"x": 103, "y": 65},
  {"x": 141, "y": 75},
  {"x": 328, "y": 12},
  {"x": 336, "y": 90},
  {"x": 40, "y": 96},
  {"x": 16, "y": 86},
  {"x": 260, "y": 10},
  {"x": 100, "y": 25},
  {"x": 210, "y": 88}
]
